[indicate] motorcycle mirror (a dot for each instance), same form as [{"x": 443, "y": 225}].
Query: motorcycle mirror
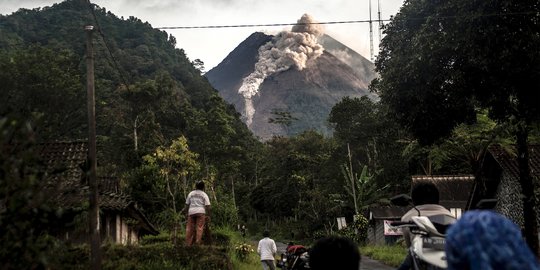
[{"x": 401, "y": 200}]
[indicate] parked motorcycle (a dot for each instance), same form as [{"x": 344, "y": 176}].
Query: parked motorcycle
[
  {"x": 427, "y": 237},
  {"x": 296, "y": 257}
]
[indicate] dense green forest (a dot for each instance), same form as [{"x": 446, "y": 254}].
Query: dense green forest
[
  {"x": 151, "y": 98},
  {"x": 160, "y": 123}
]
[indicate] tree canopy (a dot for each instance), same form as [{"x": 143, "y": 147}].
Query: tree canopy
[{"x": 442, "y": 60}]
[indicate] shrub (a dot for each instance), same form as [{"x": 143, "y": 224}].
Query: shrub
[
  {"x": 224, "y": 213},
  {"x": 243, "y": 251}
]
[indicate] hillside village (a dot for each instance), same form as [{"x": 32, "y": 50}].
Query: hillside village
[{"x": 316, "y": 149}]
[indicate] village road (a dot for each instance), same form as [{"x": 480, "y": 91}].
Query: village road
[
  {"x": 369, "y": 264},
  {"x": 366, "y": 264}
]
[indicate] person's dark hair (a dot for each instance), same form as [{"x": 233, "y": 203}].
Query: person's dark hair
[
  {"x": 266, "y": 234},
  {"x": 343, "y": 252},
  {"x": 425, "y": 193},
  {"x": 200, "y": 185}
]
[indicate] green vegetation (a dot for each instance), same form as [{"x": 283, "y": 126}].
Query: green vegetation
[
  {"x": 153, "y": 253},
  {"x": 392, "y": 255},
  {"x": 450, "y": 69},
  {"x": 161, "y": 127}
]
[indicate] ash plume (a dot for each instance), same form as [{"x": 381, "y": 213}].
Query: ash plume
[{"x": 287, "y": 49}]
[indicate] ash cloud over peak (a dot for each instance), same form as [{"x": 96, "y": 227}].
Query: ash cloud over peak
[{"x": 288, "y": 49}]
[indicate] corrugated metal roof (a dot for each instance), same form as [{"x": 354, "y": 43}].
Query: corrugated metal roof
[
  {"x": 454, "y": 190},
  {"x": 388, "y": 212}
]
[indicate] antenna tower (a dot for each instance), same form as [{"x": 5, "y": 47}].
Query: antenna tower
[
  {"x": 370, "y": 33},
  {"x": 380, "y": 21}
]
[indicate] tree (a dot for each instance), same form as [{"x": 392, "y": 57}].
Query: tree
[
  {"x": 46, "y": 82},
  {"x": 174, "y": 164},
  {"x": 283, "y": 118},
  {"x": 363, "y": 127},
  {"x": 362, "y": 189},
  {"x": 440, "y": 60},
  {"x": 27, "y": 216}
]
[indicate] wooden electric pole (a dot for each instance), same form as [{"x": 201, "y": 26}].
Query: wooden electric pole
[{"x": 93, "y": 212}]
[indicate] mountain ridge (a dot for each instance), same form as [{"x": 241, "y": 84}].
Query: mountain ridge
[{"x": 307, "y": 94}]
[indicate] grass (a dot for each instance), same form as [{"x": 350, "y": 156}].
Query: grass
[
  {"x": 154, "y": 252},
  {"x": 248, "y": 262},
  {"x": 391, "y": 255},
  {"x": 158, "y": 252}
]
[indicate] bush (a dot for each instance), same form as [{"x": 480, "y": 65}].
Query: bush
[
  {"x": 243, "y": 251},
  {"x": 222, "y": 236},
  {"x": 224, "y": 213}
]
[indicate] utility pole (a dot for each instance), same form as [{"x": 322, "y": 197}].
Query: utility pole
[
  {"x": 353, "y": 179},
  {"x": 93, "y": 212}
]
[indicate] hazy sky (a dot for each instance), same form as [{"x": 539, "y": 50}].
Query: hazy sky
[{"x": 213, "y": 45}]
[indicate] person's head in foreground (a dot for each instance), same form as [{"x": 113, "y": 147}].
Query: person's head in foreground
[
  {"x": 334, "y": 252},
  {"x": 485, "y": 240}
]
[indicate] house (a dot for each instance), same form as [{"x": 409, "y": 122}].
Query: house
[
  {"x": 454, "y": 191},
  {"x": 121, "y": 221},
  {"x": 379, "y": 230},
  {"x": 499, "y": 180}
]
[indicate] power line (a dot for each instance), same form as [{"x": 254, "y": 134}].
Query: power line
[
  {"x": 115, "y": 62},
  {"x": 344, "y": 22},
  {"x": 262, "y": 25}
]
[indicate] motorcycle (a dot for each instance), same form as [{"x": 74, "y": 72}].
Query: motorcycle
[
  {"x": 296, "y": 257},
  {"x": 427, "y": 237}
]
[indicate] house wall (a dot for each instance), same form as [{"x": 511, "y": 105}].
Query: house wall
[
  {"x": 112, "y": 225},
  {"x": 134, "y": 237},
  {"x": 509, "y": 202},
  {"x": 125, "y": 234},
  {"x": 376, "y": 234}
]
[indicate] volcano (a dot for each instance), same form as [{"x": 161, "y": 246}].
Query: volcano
[{"x": 288, "y": 100}]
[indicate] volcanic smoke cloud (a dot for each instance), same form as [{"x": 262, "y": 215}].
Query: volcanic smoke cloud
[{"x": 287, "y": 49}]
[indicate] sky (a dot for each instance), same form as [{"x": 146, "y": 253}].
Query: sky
[{"x": 212, "y": 45}]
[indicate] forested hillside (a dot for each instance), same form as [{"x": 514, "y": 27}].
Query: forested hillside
[
  {"x": 161, "y": 127},
  {"x": 149, "y": 97},
  {"x": 144, "y": 85}
]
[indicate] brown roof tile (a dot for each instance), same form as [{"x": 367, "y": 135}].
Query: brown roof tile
[{"x": 67, "y": 187}]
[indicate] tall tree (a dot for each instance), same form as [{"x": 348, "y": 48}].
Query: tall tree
[
  {"x": 373, "y": 138},
  {"x": 46, "y": 82},
  {"x": 441, "y": 59}
]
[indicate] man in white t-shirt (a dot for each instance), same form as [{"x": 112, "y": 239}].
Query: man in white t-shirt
[
  {"x": 267, "y": 249},
  {"x": 197, "y": 212}
]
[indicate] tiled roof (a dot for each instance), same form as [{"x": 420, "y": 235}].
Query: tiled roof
[
  {"x": 77, "y": 196},
  {"x": 508, "y": 160},
  {"x": 65, "y": 163}
]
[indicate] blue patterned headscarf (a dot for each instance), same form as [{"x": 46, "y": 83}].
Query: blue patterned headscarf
[{"x": 485, "y": 240}]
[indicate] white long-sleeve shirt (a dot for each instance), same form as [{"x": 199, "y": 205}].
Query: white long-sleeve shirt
[{"x": 267, "y": 248}]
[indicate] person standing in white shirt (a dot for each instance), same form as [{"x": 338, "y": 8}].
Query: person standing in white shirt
[
  {"x": 197, "y": 212},
  {"x": 267, "y": 249}
]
